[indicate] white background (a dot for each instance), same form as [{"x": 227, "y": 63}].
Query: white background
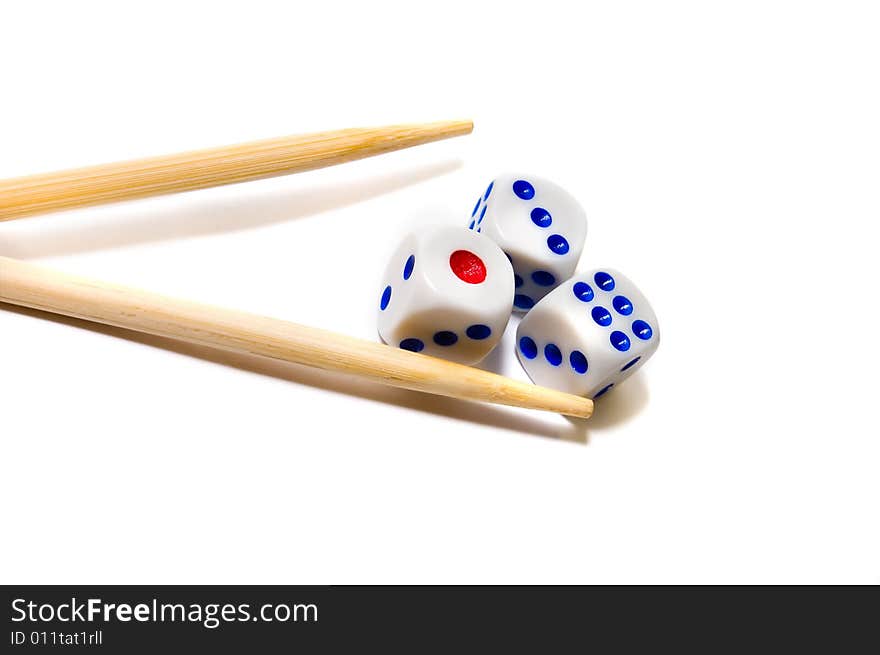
[{"x": 728, "y": 156}]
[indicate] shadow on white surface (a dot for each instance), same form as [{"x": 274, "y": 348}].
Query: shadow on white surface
[
  {"x": 619, "y": 405},
  {"x": 495, "y": 361},
  {"x": 134, "y": 222},
  {"x": 494, "y": 416}
]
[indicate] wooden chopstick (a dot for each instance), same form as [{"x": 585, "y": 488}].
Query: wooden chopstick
[
  {"x": 35, "y": 194},
  {"x": 40, "y": 288}
]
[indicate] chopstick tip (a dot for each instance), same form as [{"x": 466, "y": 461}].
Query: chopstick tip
[{"x": 583, "y": 409}]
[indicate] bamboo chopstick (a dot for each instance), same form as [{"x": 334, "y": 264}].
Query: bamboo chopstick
[
  {"x": 25, "y": 196},
  {"x": 40, "y": 288}
]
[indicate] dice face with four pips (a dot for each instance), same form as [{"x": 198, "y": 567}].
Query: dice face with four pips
[
  {"x": 539, "y": 225},
  {"x": 588, "y": 335},
  {"x": 446, "y": 292}
]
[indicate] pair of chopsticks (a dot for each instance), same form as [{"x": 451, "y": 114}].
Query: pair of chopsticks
[{"x": 36, "y": 287}]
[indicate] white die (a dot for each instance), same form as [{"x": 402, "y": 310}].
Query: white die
[
  {"x": 588, "y": 335},
  {"x": 446, "y": 292},
  {"x": 539, "y": 225}
]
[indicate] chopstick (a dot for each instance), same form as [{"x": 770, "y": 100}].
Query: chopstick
[
  {"x": 40, "y": 288},
  {"x": 35, "y": 194}
]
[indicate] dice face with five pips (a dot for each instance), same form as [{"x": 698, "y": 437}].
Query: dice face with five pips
[
  {"x": 588, "y": 335},
  {"x": 539, "y": 225},
  {"x": 446, "y": 292}
]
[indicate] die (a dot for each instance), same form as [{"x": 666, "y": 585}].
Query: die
[
  {"x": 539, "y": 225},
  {"x": 588, "y": 335},
  {"x": 446, "y": 292}
]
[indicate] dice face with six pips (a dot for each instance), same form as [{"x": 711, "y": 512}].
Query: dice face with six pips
[
  {"x": 539, "y": 225},
  {"x": 446, "y": 292},
  {"x": 588, "y": 335}
]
